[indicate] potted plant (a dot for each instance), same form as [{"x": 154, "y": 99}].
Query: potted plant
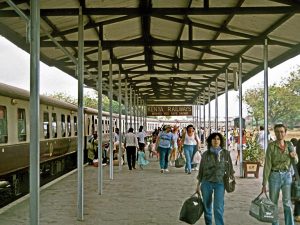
[{"x": 253, "y": 158}]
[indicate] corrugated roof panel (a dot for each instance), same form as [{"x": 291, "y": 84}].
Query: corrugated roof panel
[
  {"x": 169, "y": 3},
  {"x": 124, "y": 30},
  {"x": 56, "y": 4},
  {"x": 109, "y": 3},
  {"x": 121, "y": 52},
  {"x": 164, "y": 29},
  {"x": 283, "y": 32},
  {"x": 253, "y": 24}
]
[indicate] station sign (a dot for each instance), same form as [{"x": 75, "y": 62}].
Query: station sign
[{"x": 182, "y": 110}]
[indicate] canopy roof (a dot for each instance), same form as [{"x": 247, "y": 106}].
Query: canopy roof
[{"x": 169, "y": 51}]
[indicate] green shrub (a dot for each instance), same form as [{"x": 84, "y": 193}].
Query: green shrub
[{"x": 253, "y": 152}]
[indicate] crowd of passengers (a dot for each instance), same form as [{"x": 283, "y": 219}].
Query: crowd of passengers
[{"x": 169, "y": 143}]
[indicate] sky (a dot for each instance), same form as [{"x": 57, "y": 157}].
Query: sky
[{"x": 15, "y": 63}]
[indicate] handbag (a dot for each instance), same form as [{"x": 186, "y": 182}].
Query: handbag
[
  {"x": 192, "y": 209},
  {"x": 180, "y": 161},
  {"x": 229, "y": 183},
  {"x": 228, "y": 179},
  {"x": 263, "y": 209}
]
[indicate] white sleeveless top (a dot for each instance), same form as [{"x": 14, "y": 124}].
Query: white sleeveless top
[{"x": 190, "y": 140}]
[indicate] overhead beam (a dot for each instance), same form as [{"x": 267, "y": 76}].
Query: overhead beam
[
  {"x": 163, "y": 11},
  {"x": 158, "y": 61},
  {"x": 157, "y": 42}
]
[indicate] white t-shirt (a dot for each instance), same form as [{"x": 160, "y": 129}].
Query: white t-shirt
[
  {"x": 141, "y": 135},
  {"x": 130, "y": 139},
  {"x": 116, "y": 137}
]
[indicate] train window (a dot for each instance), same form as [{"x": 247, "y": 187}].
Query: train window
[
  {"x": 54, "y": 125},
  {"x": 21, "y": 125},
  {"x": 75, "y": 125},
  {"x": 3, "y": 125},
  {"x": 46, "y": 129},
  {"x": 63, "y": 125},
  {"x": 69, "y": 125},
  {"x": 93, "y": 124},
  {"x": 88, "y": 126}
]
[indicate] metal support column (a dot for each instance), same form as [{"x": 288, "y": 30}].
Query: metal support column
[
  {"x": 240, "y": 116},
  {"x": 197, "y": 118},
  {"x": 226, "y": 108},
  {"x": 80, "y": 197},
  {"x": 204, "y": 124},
  {"x": 266, "y": 94},
  {"x": 134, "y": 112},
  {"x": 200, "y": 119},
  {"x": 126, "y": 107},
  {"x": 216, "y": 106},
  {"x": 111, "y": 142},
  {"x": 120, "y": 122},
  {"x": 130, "y": 106},
  {"x": 209, "y": 112},
  {"x": 34, "y": 146},
  {"x": 100, "y": 131}
]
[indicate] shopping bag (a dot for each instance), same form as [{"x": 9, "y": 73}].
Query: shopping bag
[
  {"x": 192, "y": 209},
  {"x": 263, "y": 209},
  {"x": 180, "y": 161}
]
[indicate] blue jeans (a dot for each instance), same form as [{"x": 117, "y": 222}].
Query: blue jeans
[
  {"x": 283, "y": 181},
  {"x": 164, "y": 157},
  {"x": 208, "y": 189},
  {"x": 188, "y": 152}
]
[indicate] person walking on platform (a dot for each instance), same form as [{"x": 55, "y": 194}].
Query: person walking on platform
[
  {"x": 141, "y": 135},
  {"x": 131, "y": 144},
  {"x": 163, "y": 144},
  {"x": 297, "y": 203},
  {"x": 92, "y": 147},
  {"x": 190, "y": 141},
  {"x": 173, "y": 155},
  {"x": 280, "y": 155},
  {"x": 210, "y": 178}
]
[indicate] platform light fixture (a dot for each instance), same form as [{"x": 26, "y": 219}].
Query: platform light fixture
[{"x": 14, "y": 101}]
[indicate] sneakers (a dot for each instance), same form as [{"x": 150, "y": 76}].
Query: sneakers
[
  {"x": 161, "y": 171},
  {"x": 166, "y": 170}
]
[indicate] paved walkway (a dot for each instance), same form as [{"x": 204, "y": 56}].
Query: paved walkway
[{"x": 137, "y": 197}]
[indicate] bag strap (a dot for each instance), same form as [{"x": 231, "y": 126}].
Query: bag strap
[{"x": 258, "y": 197}]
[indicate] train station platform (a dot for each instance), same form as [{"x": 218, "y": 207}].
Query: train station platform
[{"x": 137, "y": 197}]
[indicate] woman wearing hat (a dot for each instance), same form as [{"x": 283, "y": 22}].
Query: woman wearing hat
[
  {"x": 190, "y": 142},
  {"x": 164, "y": 143}
]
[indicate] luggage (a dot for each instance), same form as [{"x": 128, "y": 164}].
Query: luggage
[
  {"x": 192, "y": 209},
  {"x": 263, "y": 209},
  {"x": 180, "y": 161}
]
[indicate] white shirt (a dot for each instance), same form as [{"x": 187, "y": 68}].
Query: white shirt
[
  {"x": 141, "y": 135},
  {"x": 116, "y": 137},
  {"x": 130, "y": 140}
]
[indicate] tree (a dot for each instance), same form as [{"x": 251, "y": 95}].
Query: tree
[
  {"x": 63, "y": 97},
  {"x": 90, "y": 101},
  {"x": 284, "y": 101},
  {"x": 254, "y": 98}
]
